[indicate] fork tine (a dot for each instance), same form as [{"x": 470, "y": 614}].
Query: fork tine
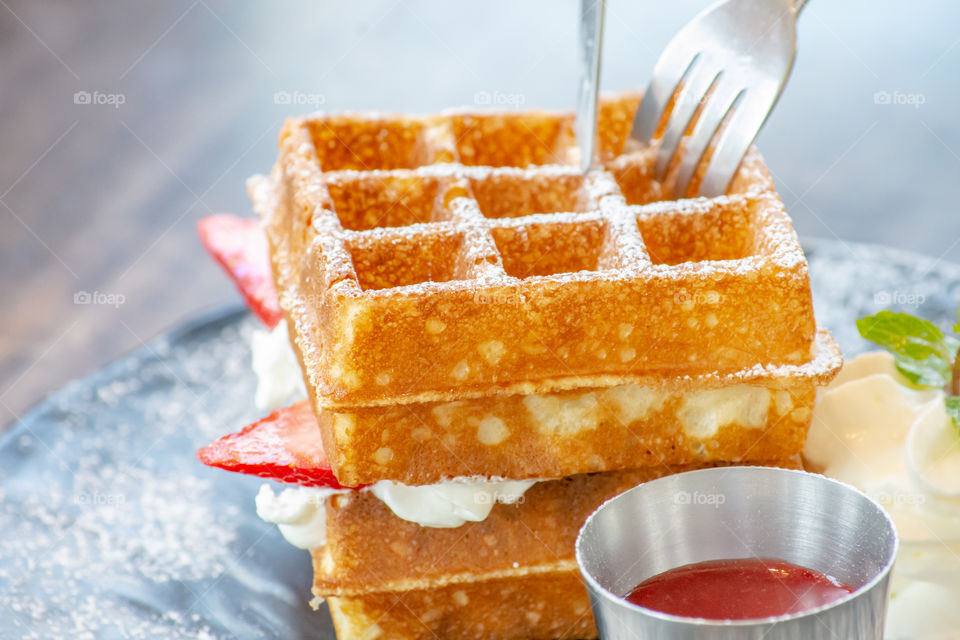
[
  {"x": 695, "y": 88},
  {"x": 724, "y": 98},
  {"x": 735, "y": 139},
  {"x": 671, "y": 69}
]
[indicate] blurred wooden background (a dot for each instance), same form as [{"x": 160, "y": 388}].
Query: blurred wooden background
[{"x": 186, "y": 98}]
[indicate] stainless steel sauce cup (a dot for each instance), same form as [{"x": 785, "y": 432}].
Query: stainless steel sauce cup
[{"x": 739, "y": 512}]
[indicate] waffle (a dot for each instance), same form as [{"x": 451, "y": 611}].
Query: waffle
[
  {"x": 429, "y": 259},
  {"x": 550, "y": 605},
  {"x": 749, "y": 416},
  {"x": 512, "y": 575}
]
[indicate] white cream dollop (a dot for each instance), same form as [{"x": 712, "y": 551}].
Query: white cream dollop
[
  {"x": 279, "y": 379},
  {"x": 299, "y": 512},
  {"x": 923, "y": 610},
  {"x": 451, "y": 503},
  {"x": 898, "y": 445},
  {"x": 933, "y": 452}
]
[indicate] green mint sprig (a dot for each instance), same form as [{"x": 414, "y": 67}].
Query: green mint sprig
[
  {"x": 953, "y": 409},
  {"x": 921, "y": 352}
]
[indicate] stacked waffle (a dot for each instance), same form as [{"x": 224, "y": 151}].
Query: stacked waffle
[{"x": 468, "y": 308}]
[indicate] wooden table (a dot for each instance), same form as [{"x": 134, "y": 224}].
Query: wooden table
[{"x": 123, "y": 123}]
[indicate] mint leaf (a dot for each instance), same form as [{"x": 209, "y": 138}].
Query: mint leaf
[
  {"x": 953, "y": 410},
  {"x": 904, "y": 335},
  {"x": 921, "y": 352},
  {"x": 929, "y": 372}
]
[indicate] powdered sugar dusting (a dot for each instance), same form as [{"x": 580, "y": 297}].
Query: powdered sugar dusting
[
  {"x": 307, "y": 170},
  {"x": 111, "y": 528},
  {"x": 851, "y": 280}
]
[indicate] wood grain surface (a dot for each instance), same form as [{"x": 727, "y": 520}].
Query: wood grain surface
[{"x": 186, "y": 99}]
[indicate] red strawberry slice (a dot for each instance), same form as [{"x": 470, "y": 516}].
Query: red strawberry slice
[
  {"x": 240, "y": 247},
  {"x": 284, "y": 446}
]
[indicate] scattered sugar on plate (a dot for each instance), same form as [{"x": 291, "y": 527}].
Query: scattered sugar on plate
[{"x": 111, "y": 528}]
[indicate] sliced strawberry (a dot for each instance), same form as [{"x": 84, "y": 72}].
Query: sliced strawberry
[
  {"x": 284, "y": 446},
  {"x": 240, "y": 247}
]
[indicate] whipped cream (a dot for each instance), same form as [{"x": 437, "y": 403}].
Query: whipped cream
[
  {"x": 897, "y": 444},
  {"x": 299, "y": 512},
  {"x": 449, "y": 504},
  {"x": 279, "y": 379}
]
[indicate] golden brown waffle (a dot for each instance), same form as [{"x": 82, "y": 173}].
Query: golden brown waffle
[
  {"x": 369, "y": 549},
  {"x": 749, "y": 416},
  {"x": 425, "y": 259},
  {"x": 539, "y": 606},
  {"x": 512, "y": 575}
]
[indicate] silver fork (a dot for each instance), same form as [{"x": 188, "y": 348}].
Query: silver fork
[
  {"x": 734, "y": 59},
  {"x": 591, "y": 41}
]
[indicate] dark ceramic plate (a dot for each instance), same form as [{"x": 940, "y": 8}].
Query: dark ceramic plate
[{"x": 110, "y": 528}]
